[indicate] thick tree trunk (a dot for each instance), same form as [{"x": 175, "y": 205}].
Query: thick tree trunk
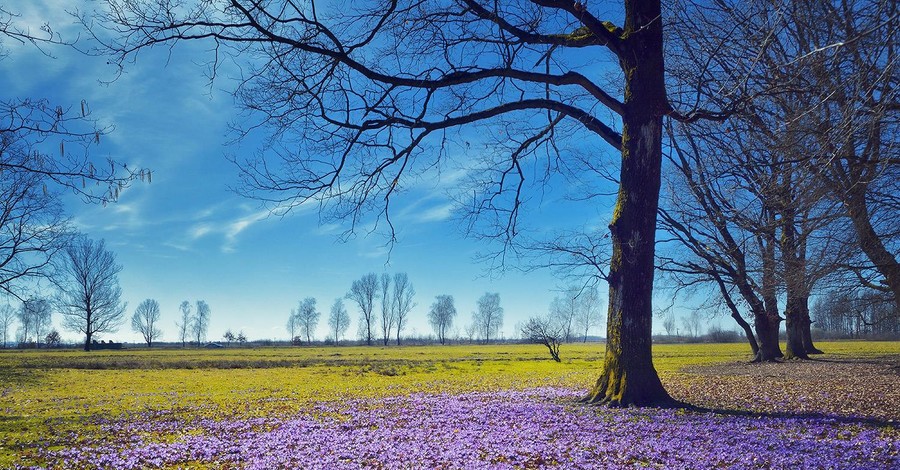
[
  {"x": 87, "y": 341},
  {"x": 767, "y": 333},
  {"x": 628, "y": 376},
  {"x": 794, "y": 279},
  {"x": 808, "y": 345},
  {"x": 795, "y": 325},
  {"x": 770, "y": 321}
]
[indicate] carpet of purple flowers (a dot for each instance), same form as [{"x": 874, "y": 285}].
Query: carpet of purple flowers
[{"x": 540, "y": 428}]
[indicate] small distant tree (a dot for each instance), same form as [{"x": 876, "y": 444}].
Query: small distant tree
[
  {"x": 544, "y": 331},
  {"x": 90, "y": 296},
  {"x": 441, "y": 316},
  {"x": 564, "y": 310},
  {"x": 200, "y": 323},
  {"x": 241, "y": 338},
  {"x": 7, "y": 316},
  {"x": 308, "y": 318},
  {"x": 403, "y": 301},
  {"x": 363, "y": 293},
  {"x": 35, "y": 316},
  {"x": 338, "y": 320},
  {"x": 145, "y": 321},
  {"x": 229, "y": 337},
  {"x": 387, "y": 308},
  {"x": 589, "y": 311},
  {"x": 293, "y": 324},
  {"x": 489, "y": 316},
  {"x": 669, "y": 323},
  {"x": 692, "y": 323},
  {"x": 184, "y": 325},
  {"x": 53, "y": 339}
]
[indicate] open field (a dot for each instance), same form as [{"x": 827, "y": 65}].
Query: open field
[{"x": 499, "y": 406}]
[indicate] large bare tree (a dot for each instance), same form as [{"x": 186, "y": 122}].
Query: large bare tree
[
  {"x": 90, "y": 296},
  {"x": 359, "y": 99}
]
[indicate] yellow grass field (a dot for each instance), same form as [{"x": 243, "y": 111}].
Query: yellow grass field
[{"x": 47, "y": 394}]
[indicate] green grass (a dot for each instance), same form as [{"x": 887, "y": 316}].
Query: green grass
[{"x": 48, "y": 393}]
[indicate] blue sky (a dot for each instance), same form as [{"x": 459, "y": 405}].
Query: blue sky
[{"x": 187, "y": 236}]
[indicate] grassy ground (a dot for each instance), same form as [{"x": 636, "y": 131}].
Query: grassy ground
[{"x": 45, "y": 396}]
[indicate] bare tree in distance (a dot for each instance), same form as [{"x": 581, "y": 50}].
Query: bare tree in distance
[
  {"x": 7, "y": 316},
  {"x": 669, "y": 323},
  {"x": 35, "y": 317},
  {"x": 387, "y": 308},
  {"x": 338, "y": 320},
  {"x": 363, "y": 293},
  {"x": 146, "y": 320},
  {"x": 589, "y": 311},
  {"x": 308, "y": 318},
  {"x": 564, "y": 309},
  {"x": 489, "y": 316},
  {"x": 200, "y": 321},
  {"x": 403, "y": 301},
  {"x": 90, "y": 296},
  {"x": 293, "y": 324},
  {"x": 184, "y": 324},
  {"x": 544, "y": 330},
  {"x": 53, "y": 339},
  {"x": 441, "y": 316},
  {"x": 692, "y": 323}
]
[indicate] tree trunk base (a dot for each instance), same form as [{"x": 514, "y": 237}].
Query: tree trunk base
[
  {"x": 759, "y": 359},
  {"x": 639, "y": 390}
]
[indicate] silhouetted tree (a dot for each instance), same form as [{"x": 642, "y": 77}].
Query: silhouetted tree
[{"x": 355, "y": 103}]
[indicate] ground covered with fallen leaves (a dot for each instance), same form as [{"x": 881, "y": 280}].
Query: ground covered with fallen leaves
[{"x": 503, "y": 407}]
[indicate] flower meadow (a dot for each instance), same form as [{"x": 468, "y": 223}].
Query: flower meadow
[
  {"x": 536, "y": 428},
  {"x": 445, "y": 407}
]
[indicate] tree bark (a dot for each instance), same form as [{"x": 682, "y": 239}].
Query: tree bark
[{"x": 628, "y": 376}]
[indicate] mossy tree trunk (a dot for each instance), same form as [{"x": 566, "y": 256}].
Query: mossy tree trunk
[{"x": 628, "y": 376}]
